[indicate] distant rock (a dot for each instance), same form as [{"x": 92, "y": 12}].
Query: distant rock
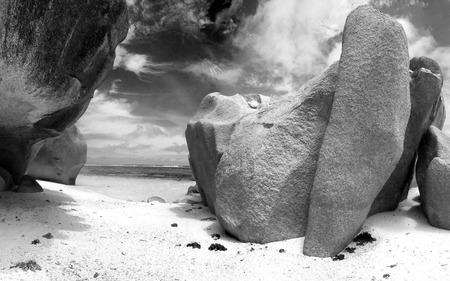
[
  {"x": 433, "y": 177},
  {"x": 264, "y": 178},
  {"x": 54, "y": 55},
  {"x": 29, "y": 185},
  {"x": 193, "y": 189},
  {"x": 426, "y": 106},
  {"x": 364, "y": 138},
  {"x": 208, "y": 134},
  {"x": 60, "y": 159},
  {"x": 155, "y": 199}
]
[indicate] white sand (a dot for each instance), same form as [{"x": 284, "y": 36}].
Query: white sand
[{"x": 119, "y": 240}]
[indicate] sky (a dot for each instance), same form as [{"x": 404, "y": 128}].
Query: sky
[{"x": 178, "y": 51}]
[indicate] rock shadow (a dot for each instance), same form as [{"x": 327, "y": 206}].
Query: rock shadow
[{"x": 29, "y": 214}]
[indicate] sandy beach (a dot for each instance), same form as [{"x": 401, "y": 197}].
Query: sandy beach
[{"x": 98, "y": 237}]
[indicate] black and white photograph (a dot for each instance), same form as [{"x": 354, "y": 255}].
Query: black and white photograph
[{"x": 253, "y": 140}]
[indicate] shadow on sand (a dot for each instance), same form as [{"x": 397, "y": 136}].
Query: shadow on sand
[{"x": 29, "y": 214}]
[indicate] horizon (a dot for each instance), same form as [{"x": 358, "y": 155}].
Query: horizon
[{"x": 178, "y": 52}]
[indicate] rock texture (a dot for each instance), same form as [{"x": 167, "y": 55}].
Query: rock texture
[
  {"x": 53, "y": 54},
  {"x": 60, "y": 159},
  {"x": 365, "y": 135},
  {"x": 433, "y": 177},
  {"x": 426, "y": 108},
  {"x": 264, "y": 178},
  {"x": 208, "y": 135}
]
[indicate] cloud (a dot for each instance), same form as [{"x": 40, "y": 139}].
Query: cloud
[
  {"x": 291, "y": 38},
  {"x": 112, "y": 131},
  {"x": 221, "y": 72},
  {"x": 178, "y": 148},
  {"x": 141, "y": 65},
  {"x": 152, "y": 16}
]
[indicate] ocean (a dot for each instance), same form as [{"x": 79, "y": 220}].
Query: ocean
[
  {"x": 136, "y": 182},
  {"x": 139, "y": 171}
]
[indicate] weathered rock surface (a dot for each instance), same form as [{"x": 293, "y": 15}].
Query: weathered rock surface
[
  {"x": 60, "y": 159},
  {"x": 208, "y": 134},
  {"x": 264, "y": 179},
  {"x": 433, "y": 177},
  {"x": 53, "y": 54},
  {"x": 426, "y": 106},
  {"x": 29, "y": 185},
  {"x": 364, "y": 138}
]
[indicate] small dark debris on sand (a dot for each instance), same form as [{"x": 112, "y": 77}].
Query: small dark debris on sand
[
  {"x": 393, "y": 265},
  {"x": 350, "y": 250},
  {"x": 29, "y": 265},
  {"x": 338, "y": 257},
  {"x": 194, "y": 245},
  {"x": 282, "y": 251},
  {"x": 48, "y": 236},
  {"x": 96, "y": 275},
  {"x": 217, "y": 247},
  {"x": 35, "y": 241},
  {"x": 209, "y": 219},
  {"x": 386, "y": 276},
  {"x": 174, "y": 225},
  {"x": 215, "y": 236},
  {"x": 363, "y": 238}
]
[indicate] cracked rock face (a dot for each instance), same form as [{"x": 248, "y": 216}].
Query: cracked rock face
[{"x": 53, "y": 55}]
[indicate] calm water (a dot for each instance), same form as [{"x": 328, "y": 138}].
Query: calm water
[{"x": 139, "y": 171}]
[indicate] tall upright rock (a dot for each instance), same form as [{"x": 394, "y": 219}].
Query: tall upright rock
[
  {"x": 426, "y": 108},
  {"x": 60, "y": 159},
  {"x": 364, "y": 138},
  {"x": 53, "y": 55},
  {"x": 208, "y": 136},
  {"x": 264, "y": 178}
]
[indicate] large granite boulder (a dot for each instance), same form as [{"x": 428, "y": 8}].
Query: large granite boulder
[
  {"x": 426, "y": 108},
  {"x": 53, "y": 54},
  {"x": 60, "y": 159},
  {"x": 433, "y": 177},
  {"x": 208, "y": 135},
  {"x": 364, "y": 138},
  {"x": 264, "y": 178}
]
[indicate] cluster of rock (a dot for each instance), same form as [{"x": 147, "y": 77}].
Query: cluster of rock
[
  {"x": 53, "y": 55},
  {"x": 318, "y": 162}
]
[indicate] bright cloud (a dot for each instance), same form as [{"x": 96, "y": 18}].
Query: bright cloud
[
  {"x": 112, "y": 130},
  {"x": 141, "y": 65},
  {"x": 289, "y": 37},
  {"x": 221, "y": 72}
]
